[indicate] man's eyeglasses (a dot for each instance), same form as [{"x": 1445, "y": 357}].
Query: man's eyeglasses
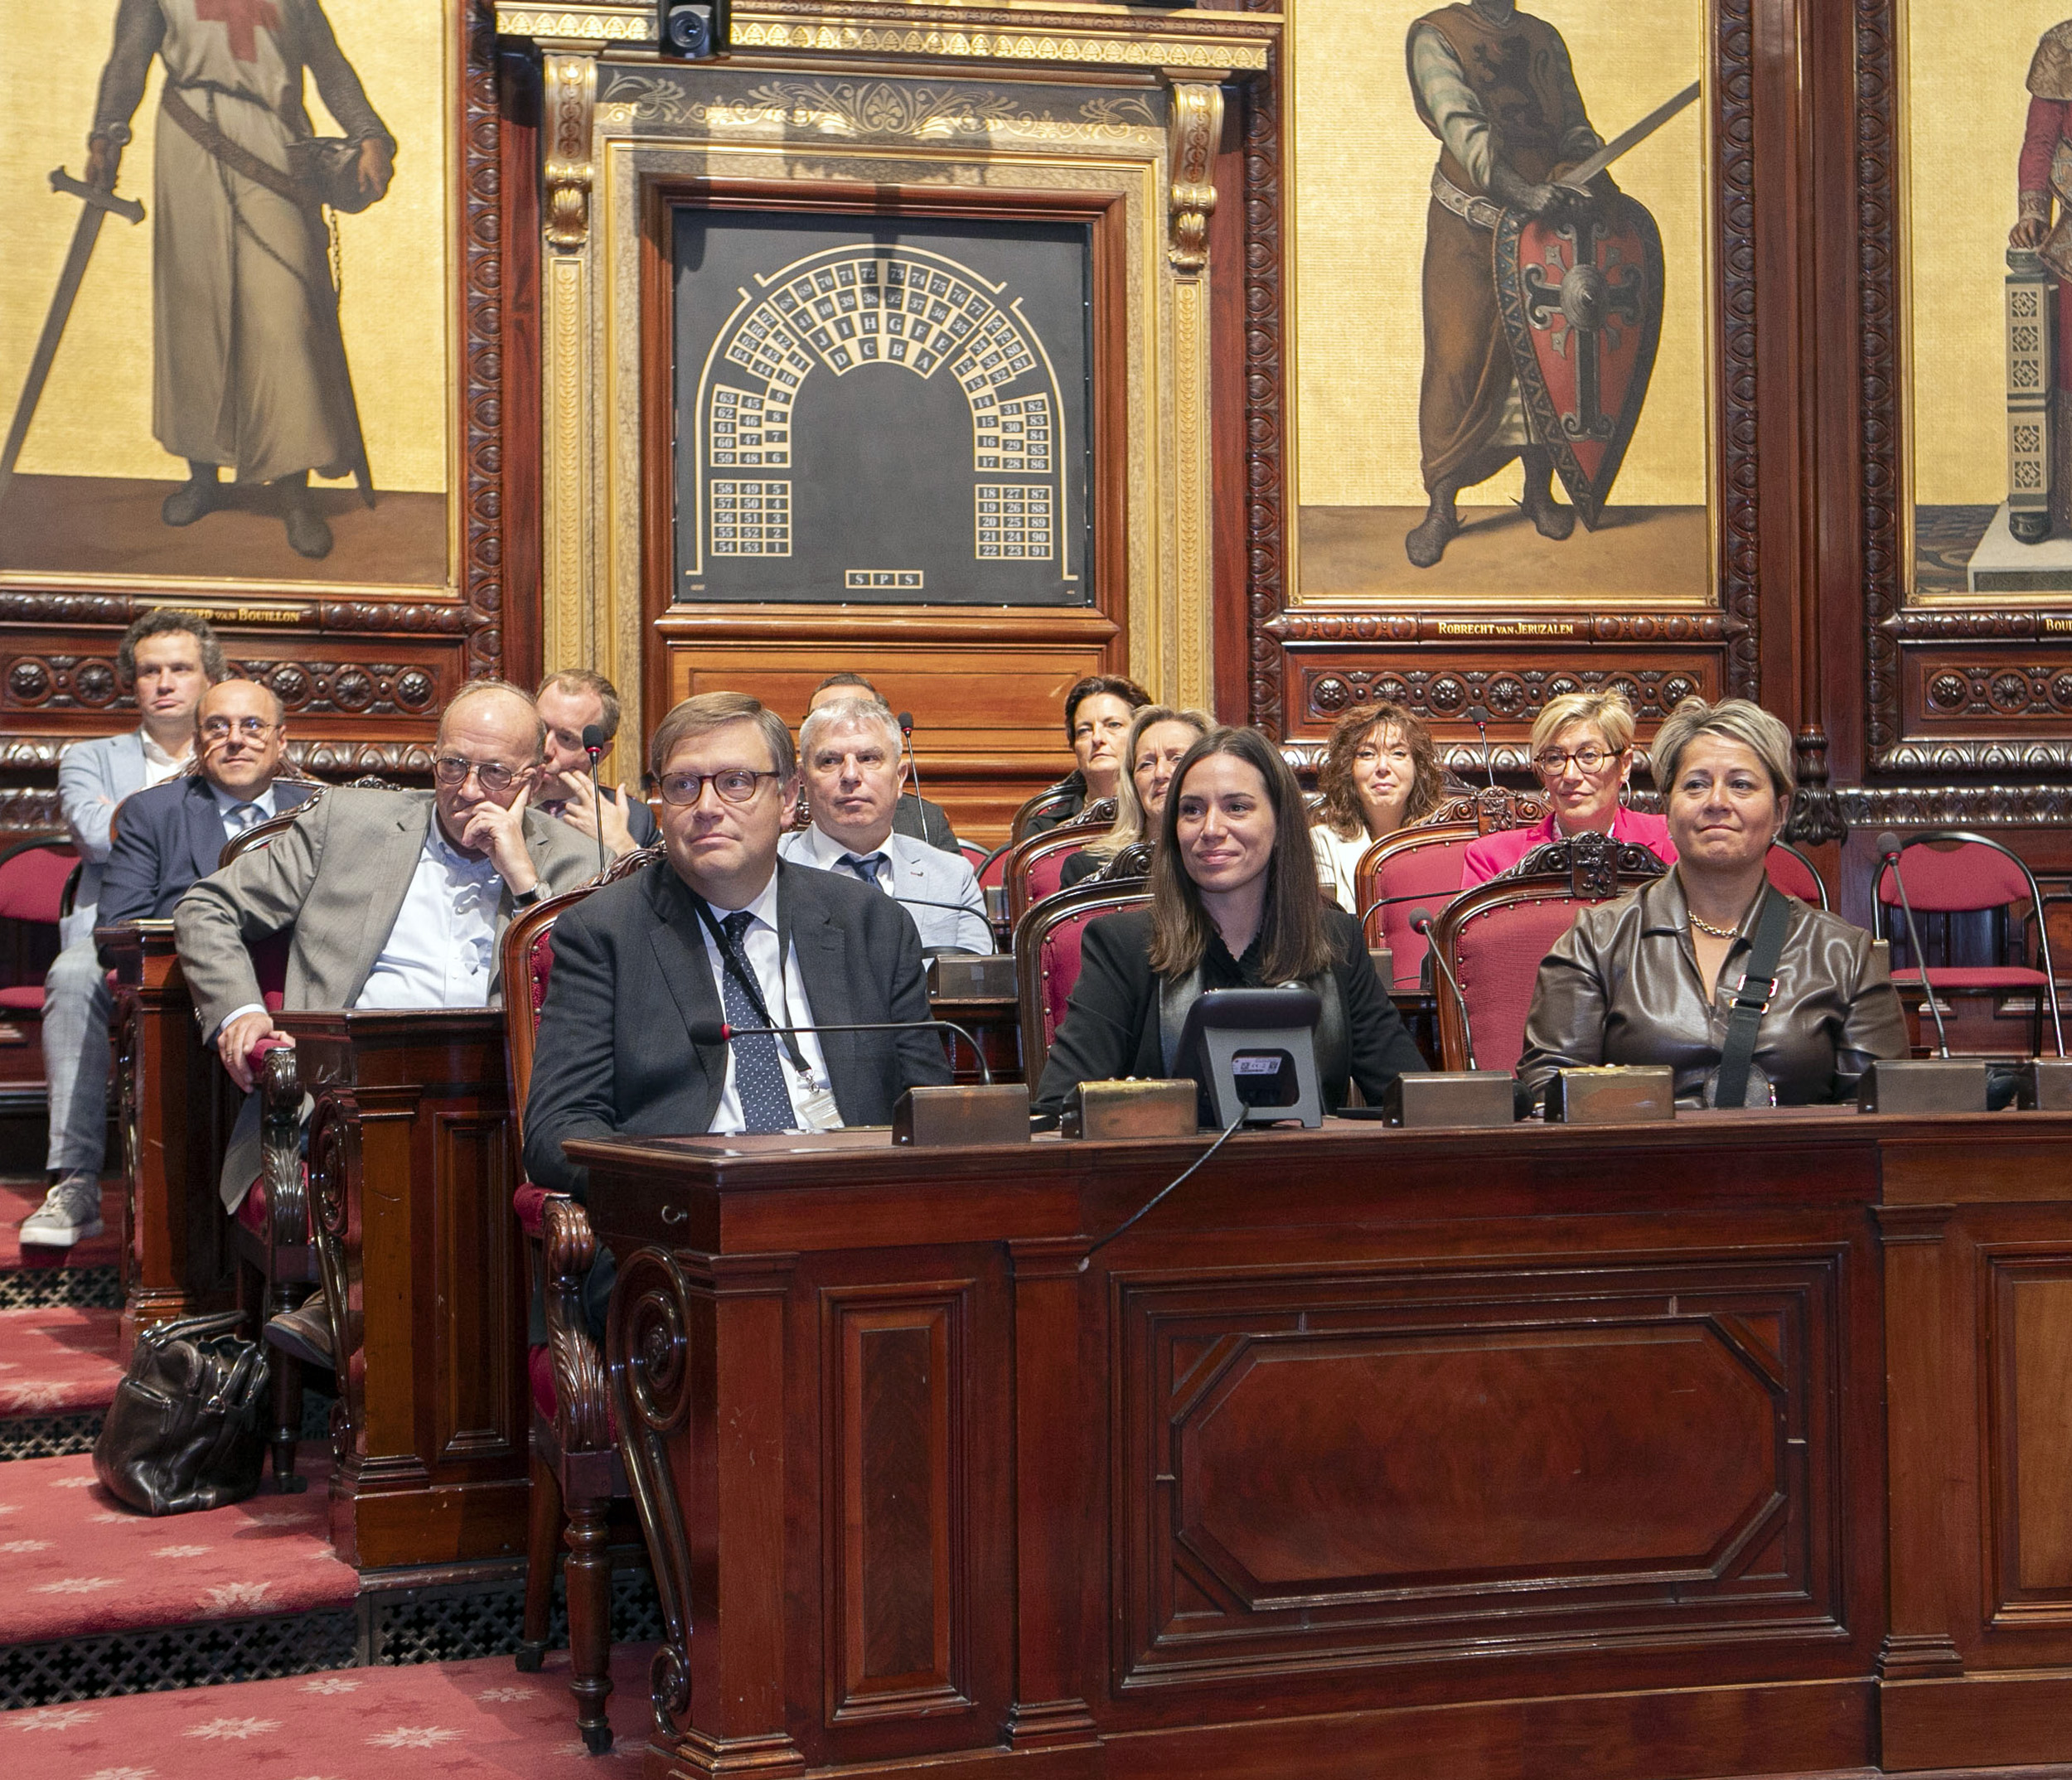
[
  {"x": 736, "y": 785},
  {"x": 452, "y": 770},
  {"x": 1592, "y": 759},
  {"x": 252, "y": 728}
]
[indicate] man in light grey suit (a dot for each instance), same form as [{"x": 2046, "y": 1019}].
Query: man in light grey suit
[
  {"x": 852, "y": 769},
  {"x": 394, "y": 899},
  {"x": 167, "y": 660}
]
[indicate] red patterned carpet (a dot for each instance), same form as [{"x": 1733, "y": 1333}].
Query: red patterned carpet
[
  {"x": 77, "y": 1562},
  {"x": 441, "y": 1721},
  {"x": 57, "y": 1359},
  {"x": 18, "y": 1198}
]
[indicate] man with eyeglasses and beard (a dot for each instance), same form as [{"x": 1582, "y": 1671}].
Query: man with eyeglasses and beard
[
  {"x": 394, "y": 899},
  {"x": 719, "y": 931}
]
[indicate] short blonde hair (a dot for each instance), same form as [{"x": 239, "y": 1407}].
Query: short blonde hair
[
  {"x": 1607, "y": 710},
  {"x": 1736, "y": 720}
]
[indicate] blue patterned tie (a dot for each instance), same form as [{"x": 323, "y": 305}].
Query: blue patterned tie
[
  {"x": 244, "y": 816},
  {"x": 758, "y": 1075},
  {"x": 866, "y": 867}
]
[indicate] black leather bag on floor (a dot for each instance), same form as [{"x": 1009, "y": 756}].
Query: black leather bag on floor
[{"x": 183, "y": 1432}]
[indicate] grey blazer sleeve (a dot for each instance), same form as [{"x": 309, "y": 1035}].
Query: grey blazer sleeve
[
  {"x": 86, "y": 789},
  {"x": 261, "y": 892}
]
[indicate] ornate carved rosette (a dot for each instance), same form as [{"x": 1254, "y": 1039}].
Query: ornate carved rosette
[{"x": 1595, "y": 863}]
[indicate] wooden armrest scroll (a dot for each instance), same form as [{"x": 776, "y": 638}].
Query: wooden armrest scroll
[
  {"x": 280, "y": 1084},
  {"x": 581, "y": 1422}
]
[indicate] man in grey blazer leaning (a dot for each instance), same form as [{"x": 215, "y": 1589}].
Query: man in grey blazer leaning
[
  {"x": 166, "y": 660},
  {"x": 851, "y": 765},
  {"x": 394, "y": 899}
]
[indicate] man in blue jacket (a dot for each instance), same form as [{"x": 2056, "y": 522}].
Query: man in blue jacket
[{"x": 167, "y": 660}]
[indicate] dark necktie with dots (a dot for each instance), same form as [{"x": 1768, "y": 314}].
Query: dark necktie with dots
[
  {"x": 758, "y": 1072},
  {"x": 866, "y": 867}
]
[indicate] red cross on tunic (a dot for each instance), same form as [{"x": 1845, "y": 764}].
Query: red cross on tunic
[{"x": 241, "y": 17}]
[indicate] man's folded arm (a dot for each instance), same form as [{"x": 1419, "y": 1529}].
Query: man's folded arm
[
  {"x": 572, "y": 1064},
  {"x": 259, "y": 893}
]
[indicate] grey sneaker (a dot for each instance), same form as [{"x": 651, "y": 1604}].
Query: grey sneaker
[{"x": 71, "y": 1213}]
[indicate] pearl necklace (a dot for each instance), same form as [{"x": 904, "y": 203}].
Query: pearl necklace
[{"x": 1718, "y": 933}]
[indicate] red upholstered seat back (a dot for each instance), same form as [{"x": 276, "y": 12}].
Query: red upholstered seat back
[
  {"x": 1059, "y": 953},
  {"x": 1429, "y": 875},
  {"x": 1969, "y": 875},
  {"x": 1497, "y": 960},
  {"x": 1792, "y": 875},
  {"x": 32, "y": 882},
  {"x": 539, "y": 968},
  {"x": 1045, "y": 873},
  {"x": 269, "y": 965}
]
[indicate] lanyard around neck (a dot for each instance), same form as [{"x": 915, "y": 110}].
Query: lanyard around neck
[{"x": 736, "y": 964}]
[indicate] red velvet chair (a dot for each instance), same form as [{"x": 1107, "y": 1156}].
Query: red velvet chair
[
  {"x": 1951, "y": 872},
  {"x": 1047, "y": 940},
  {"x": 1413, "y": 869},
  {"x": 576, "y": 1469},
  {"x": 1035, "y": 867},
  {"x": 33, "y": 877},
  {"x": 1495, "y": 935},
  {"x": 1795, "y": 874},
  {"x": 1048, "y": 801}
]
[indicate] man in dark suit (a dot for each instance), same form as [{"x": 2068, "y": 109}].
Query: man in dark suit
[
  {"x": 721, "y": 930},
  {"x": 172, "y": 833}
]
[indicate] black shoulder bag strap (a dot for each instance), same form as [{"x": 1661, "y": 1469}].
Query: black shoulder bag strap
[{"x": 1751, "y": 1000}]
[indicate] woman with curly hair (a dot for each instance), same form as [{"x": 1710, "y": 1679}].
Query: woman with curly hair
[{"x": 1380, "y": 773}]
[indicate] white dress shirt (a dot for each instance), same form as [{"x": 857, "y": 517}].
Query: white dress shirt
[
  {"x": 227, "y": 803},
  {"x": 784, "y": 994},
  {"x": 159, "y": 765},
  {"x": 917, "y": 876},
  {"x": 441, "y": 951}
]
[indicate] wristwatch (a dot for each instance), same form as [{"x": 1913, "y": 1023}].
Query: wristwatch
[{"x": 526, "y": 898}]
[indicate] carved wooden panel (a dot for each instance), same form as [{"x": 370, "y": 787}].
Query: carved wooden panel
[
  {"x": 1963, "y": 694},
  {"x": 1333, "y": 1470},
  {"x": 481, "y": 1332},
  {"x": 2028, "y": 1436},
  {"x": 899, "y": 1615},
  {"x": 1441, "y": 685}
]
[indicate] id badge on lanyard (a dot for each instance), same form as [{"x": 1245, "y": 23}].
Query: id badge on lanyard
[{"x": 813, "y": 1105}]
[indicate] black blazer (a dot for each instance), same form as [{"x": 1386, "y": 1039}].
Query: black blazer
[
  {"x": 919, "y": 819},
  {"x": 1111, "y": 1023},
  {"x": 632, "y": 974},
  {"x": 167, "y": 837}
]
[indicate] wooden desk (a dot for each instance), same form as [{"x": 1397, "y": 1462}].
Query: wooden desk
[
  {"x": 176, "y": 1106},
  {"x": 1490, "y": 1454},
  {"x": 411, "y": 1159},
  {"x": 995, "y": 1022}
]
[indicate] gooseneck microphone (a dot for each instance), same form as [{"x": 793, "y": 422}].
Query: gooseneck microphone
[
  {"x": 718, "y": 1031},
  {"x": 593, "y": 746},
  {"x": 1890, "y": 847},
  {"x": 913, "y": 760},
  {"x": 1421, "y": 923},
  {"x": 1480, "y": 718}
]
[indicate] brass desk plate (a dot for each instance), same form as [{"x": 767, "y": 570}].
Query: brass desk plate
[
  {"x": 1474, "y": 1097},
  {"x": 2044, "y": 1084},
  {"x": 972, "y": 979},
  {"x": 1130, "y": 1108},
  {"x": 1611, "y": 1095},
  {"x": 1924, "y": 1085},
  {"x": 930, "y": 1118}
]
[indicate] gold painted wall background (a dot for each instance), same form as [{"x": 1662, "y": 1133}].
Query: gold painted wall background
[
  {"x": 1363, "y": 166},
  {"x": 94, "y": 418},
  {"x": 1966, "y": 104}
]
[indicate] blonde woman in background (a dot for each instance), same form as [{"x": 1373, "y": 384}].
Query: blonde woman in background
[
  {"x": 1582, "y": 749},
  {"x": 1159, "y": 736}
]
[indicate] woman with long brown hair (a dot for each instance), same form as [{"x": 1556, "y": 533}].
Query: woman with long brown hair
[
  {"x": 1234, "y": 905},
  {"x": 1380, "y": 773}
]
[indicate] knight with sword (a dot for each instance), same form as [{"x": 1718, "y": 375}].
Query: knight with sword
[
  {"x": 249, "y": 366},
  {"x": 1542, "y": 282}
]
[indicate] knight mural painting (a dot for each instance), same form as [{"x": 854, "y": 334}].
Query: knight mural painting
[
  {"x": 1989, "y": 89},
  {"x": 1511, "y": 309},
  {"x": 261, "y": 143}
]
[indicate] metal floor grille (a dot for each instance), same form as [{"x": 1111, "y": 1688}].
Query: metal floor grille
[
  {"x": 39, "y": 1288},
  {"x": 444, "y": 1622},
  {"x": 50, "y": 1436}
]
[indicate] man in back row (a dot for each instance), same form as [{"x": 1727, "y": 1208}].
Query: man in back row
[
  {"x": 914, "y": 815},
  {"x": 851, "y": 767},
  {"x": 569, "y": 703},
  {"x": 721, "y": 933},
  {"x": 394, "y": 899},
  {"x": 167, "y": 660}
]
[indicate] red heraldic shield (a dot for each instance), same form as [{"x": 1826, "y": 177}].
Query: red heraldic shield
[{"x": 1581, "y": 304}]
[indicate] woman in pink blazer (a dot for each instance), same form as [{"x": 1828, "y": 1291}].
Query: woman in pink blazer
[{"x": 1582, "y": 749}]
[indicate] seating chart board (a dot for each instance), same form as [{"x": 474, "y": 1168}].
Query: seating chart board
[{"x": 882, "y": 411}]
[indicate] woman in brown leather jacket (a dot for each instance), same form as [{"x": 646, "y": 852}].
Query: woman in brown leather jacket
[{"x": 1649, "y": 978}]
